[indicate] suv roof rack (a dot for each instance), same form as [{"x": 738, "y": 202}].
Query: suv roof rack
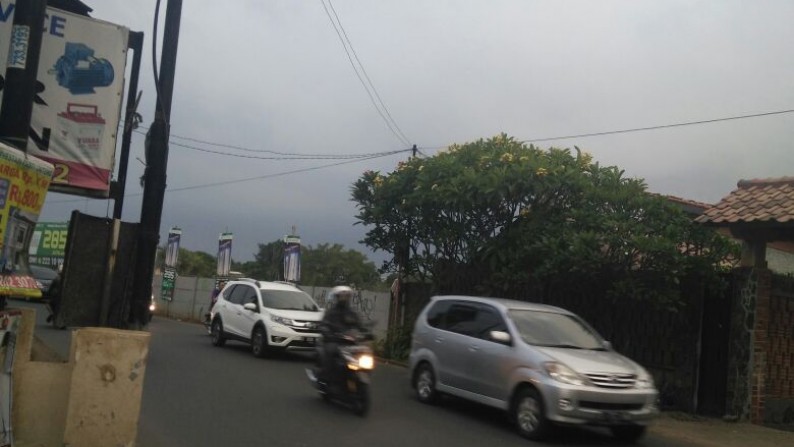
[
  {"x": 284, "y": 282},
  {"x": 247, "y": 280}
]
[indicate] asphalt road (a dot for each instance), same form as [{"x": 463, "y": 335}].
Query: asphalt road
[{"x": 199, "y": 395}]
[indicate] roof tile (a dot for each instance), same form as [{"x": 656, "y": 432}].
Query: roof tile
[{"x": 756, "y": 200}]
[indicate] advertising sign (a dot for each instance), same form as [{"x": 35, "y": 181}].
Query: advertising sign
[
  {"x": 77, "y": 112},
  {"x": 170, "y": 260},
  {"x": 224, "y": 255},
  {"x": 23, "y": 187},
  {"x": 292, "y": 258},
  {"x": 48, "y": 244}
]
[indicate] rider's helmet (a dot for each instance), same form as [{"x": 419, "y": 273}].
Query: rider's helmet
[{"x": 340, "y": 296}]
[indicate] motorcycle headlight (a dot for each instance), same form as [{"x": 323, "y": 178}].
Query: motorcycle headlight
[
  {"x": 563, "y": 374},
  {"x": 364, "y": 361},
  {"x": 152, "y": 306},
  {"x": 282, "y": 320}
]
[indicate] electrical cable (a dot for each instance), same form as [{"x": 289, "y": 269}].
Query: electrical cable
[
  {"x": 248, "y": 179},
  {"x": 641, "y": 129},
  {"x": 297, "y": 156},
  {"x": 405, "y": 139},
  {"x": 361, "y": 80}
]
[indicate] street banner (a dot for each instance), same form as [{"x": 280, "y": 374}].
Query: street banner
[
  {"x": 292, "y": 258},
  {"x": 76, "y": 114},
  {"x": 48, "y": 244},
  {"x": 170, "y": 260},
  {"x": 224, "y": 255},
  {"x": 23, "y": 187},
  {"x": 9, "y": 327}
]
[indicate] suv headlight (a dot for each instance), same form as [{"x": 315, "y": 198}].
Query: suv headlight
[
  {"x": 282, "y": 320},
  {"x": 562, "y": 373}
]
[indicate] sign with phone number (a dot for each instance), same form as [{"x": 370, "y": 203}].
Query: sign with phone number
[{"x": 49, "y": 240}]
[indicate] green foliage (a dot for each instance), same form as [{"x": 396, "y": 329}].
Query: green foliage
[
  {"x": 192, "y": 263},
  {"x": 324, "y": 265},
  {"x": 500, "y": 217},
  {"x": 396, "y": 345},
  {"x": 329, "y": 264}
]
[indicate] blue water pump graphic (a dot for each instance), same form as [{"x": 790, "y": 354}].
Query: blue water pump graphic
[{"x": 79, "y": 71}]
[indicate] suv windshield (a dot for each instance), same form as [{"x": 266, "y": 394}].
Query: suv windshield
[
  {"x": 288, "y": 300},
  {"x": 552, "y": 329}
]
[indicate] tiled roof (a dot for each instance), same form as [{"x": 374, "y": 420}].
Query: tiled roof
[
  {"x": 758, "y": 200},
  {"x": 689, "y": 206}
]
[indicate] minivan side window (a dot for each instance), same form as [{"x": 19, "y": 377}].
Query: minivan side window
[
  {"x": 461, "y": 318},
  {"x": 436, "y": 314},
  {"x": 488, "y": 319}
]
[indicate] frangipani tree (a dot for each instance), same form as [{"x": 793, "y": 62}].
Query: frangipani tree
[{"x": 499, "y": 217}]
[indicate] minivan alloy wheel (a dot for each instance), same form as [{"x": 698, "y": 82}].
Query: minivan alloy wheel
[
  {"x": 426, "y": 384},
  {"x": 530, "y": 418}
]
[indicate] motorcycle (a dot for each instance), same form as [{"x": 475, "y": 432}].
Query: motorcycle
[{"x": 351, "y": 369}]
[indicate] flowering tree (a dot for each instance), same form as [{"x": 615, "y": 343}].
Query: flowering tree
[{"x": 499, "y": 216}]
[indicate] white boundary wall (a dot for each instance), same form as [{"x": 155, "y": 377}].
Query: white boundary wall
[{"x": 192, "y": 299}]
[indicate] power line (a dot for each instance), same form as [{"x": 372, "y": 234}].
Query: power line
[
  {"x": 261, "y": 177},
  {"x": 641, "y": 129},
  {"x": 390, "y": 123},
  {"x": 294, "y": 157},
  {"x": 287, "y": 155},
  {"x": 405, "y": 139}
]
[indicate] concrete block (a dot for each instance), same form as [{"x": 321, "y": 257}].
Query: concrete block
[{"x": 106, "y": 387}]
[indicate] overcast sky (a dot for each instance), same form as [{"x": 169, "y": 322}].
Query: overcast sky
[{"x": 273, "y": 75}]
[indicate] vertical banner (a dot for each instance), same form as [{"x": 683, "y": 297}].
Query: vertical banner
[
  {"x": 292, "y": 258},
  {"x": 24, "y": 181},
  {"x": 170, "y": 259},
  {"x": 224, "y": 255},
  {"x": 9, "y": 326}
]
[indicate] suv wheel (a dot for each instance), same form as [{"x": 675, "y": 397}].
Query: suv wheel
[
  {"x": 216, "y": 332},
  {"x": 628, "y": 433},
  {"x": 259, "y": 342},
  {"x": 425, "y": 384},
  {"x": 530, "y": 415}
]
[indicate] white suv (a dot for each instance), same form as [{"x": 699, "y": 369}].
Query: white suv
[{"x": 271, "y": 316}]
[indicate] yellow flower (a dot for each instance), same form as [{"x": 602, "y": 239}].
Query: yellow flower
[
  {"x": 506, "y": 158},
  {"x": 541, "y": 172}
]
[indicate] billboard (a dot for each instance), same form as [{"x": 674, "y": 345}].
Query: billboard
[
  {"x": 23, "y": 187},
  {"x": 48, "y": 244},
  {"x": 170, "y": 259},
  {"x": 76, "y": 114},
  {"x": 224, "y": 255}
]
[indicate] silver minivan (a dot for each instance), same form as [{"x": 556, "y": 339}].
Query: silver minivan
[{"x": 542, "y": 364}]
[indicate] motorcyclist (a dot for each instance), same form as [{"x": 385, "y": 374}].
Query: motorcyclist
[{"x": 339, "y": 318}]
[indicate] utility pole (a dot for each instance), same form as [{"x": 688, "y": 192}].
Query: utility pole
[
  {"x": 20, "y": 76},
  {"x": 155, "y": 173},
  {"x": 136, "y": 43}
]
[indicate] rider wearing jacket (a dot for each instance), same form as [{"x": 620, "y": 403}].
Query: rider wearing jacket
[{"x": 338, "y": 319}]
